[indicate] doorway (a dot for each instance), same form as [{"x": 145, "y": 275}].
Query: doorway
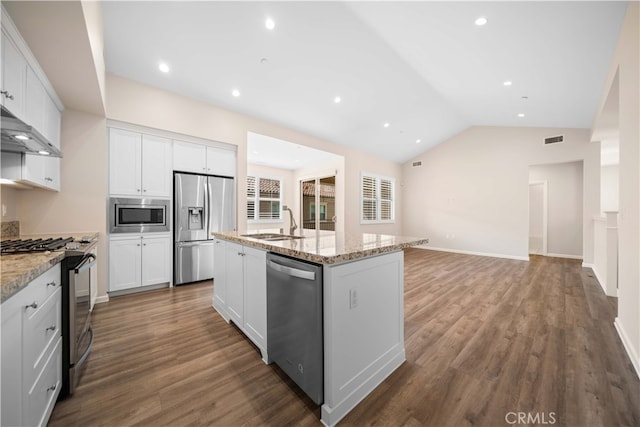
[
  {"x": 318, "y": 203},
  {"x": 538, "y": 218}
]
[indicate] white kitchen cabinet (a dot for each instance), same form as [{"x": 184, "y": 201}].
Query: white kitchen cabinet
[
  {"x": 14, "y": 74},
  {"x": 31, "y": 351},
  {"x": 219, "y": 277},
  {"x": 35, "y": 101},
  {"x": 52, "y": 121},
  {"x": 199, "y": 158},
  {"x": 42, "y": 171},
  {"x": 137, "y": 260},
  {"x": 244, "y": 285},
  {"x": 139, "y": 165}
]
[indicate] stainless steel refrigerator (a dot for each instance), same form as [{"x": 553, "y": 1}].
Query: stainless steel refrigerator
[{"x": 202, "y": 204}]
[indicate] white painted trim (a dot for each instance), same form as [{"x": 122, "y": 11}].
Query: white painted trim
[
  {"x": 597, "y": 275},
  {"x": 331, "y": 416},
  {"x": 545, "y": 213},
  {"x": 457, "y": 251},
  {"x": 626, "y": 342},
  {"x": 102, "y": 299},
  {"x": 565, "y": 256}
]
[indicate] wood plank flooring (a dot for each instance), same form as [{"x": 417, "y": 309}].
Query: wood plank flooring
[{"x": 484, "y": 337}]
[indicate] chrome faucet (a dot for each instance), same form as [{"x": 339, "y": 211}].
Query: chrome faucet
[{"x": 292, "y": 222}]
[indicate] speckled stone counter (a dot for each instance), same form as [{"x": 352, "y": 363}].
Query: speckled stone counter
[
  {"x": 324, "y": 247},
  {"x": 18, "y": 270}
]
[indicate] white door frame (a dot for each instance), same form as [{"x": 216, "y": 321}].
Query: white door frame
[{"x": 545, "y": 211}]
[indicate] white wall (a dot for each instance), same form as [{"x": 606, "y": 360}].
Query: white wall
[
  {"x": 626, "y": 65},
  {"x": 537, "y": 206},
  {"x": 564, "y": 207},
  {"x": 609, "y": 188},
  {"x": 471, "y": 193}
]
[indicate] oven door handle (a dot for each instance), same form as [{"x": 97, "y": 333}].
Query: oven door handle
[
  {"x": 88, "y": 261},
  {"x": 84, "y": 356}
]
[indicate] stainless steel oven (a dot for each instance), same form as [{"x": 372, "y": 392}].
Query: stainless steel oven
[
  {"x": 138, "y": 215},
  {"x": 76, "y": 322}
]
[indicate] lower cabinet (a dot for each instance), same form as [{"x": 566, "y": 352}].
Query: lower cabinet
[
  {"x": 137, "y": 260},
  {"x": 240, "y": 290},
  {"x": 32, "y": 351}
]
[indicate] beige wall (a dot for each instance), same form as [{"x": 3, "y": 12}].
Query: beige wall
[
  {"x": 80, "y": 206},
  {"x": 471, "y": 193},
  {"x": 9, "y": 196},
  {"x": 626, "y": 64},
  {"x": 136, "y": 103}
]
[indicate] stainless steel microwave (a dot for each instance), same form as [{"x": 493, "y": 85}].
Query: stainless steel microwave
[{"x": 138, "y": 215}]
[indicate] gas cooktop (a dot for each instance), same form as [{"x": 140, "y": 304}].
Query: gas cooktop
[{"x": 24, "y": 246}]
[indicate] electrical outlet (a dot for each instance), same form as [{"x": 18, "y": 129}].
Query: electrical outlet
[{"x": 353, "y": 298}]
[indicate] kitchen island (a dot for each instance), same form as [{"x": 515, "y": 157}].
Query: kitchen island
[{"x": 362, "y": 303}]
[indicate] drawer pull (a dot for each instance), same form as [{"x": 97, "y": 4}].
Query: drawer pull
[
  {"x": 52, "y": 284},
  {"x": 52, "y": 388},
  {"x": 32, "y": 305},
  {"x": 51, "y": 328}
]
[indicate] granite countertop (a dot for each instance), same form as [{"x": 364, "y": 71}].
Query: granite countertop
[
  {"x": 18, "y": 270},
  {"x": 327, "y": 247}
]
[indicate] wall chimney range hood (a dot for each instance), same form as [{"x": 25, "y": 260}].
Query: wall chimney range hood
[{"x": 19, "y": 137}]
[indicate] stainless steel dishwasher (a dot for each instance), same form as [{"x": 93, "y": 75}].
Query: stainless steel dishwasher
[{"x": 294, "y": 322}]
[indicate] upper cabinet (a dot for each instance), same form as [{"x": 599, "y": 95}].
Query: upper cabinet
[
  {"x": 26, "y": 92},
  {"x": 204, "y": 159},
  {"x": 139, "y": 164},
  {"x": 14, "y": 75}
]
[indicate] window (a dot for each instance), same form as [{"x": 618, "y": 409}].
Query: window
[
  {"x": 377, "y": 199},
  {"x": 264, "y": 199}
]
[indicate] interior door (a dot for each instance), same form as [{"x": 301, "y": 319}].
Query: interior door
[{"x": 318, "y": 198}]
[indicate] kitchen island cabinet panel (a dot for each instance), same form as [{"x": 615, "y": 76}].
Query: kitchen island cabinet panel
[
  {"x": 235, "y": 283},
  {"x": 240, "y": 290}
]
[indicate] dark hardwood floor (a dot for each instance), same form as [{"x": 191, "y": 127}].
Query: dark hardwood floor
[{"x": 488, "y": 340}]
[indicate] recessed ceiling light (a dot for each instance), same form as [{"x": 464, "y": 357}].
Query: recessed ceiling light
[
  {"x": 418, "y": 141},
  {"x": 269, "y": 24},
  {"x": 386, "y": 125},
  {"x": 508, "y": 83},
  {"x": 337, "y": 100},
  {"x": 44, "y": 153},
  {"x": 481, "y": 21},
  {"x": 163, "y": 67},
  {"x": 520, "y": 114},
  {"x": 21, "y": 137},
  {"x": 235, "y": 93}
]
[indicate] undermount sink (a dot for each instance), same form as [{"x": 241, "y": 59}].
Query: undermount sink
[{"x": 272, "y": 237}]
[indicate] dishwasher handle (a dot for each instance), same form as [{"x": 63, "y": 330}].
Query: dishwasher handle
[{"x": 295, "y": 272}]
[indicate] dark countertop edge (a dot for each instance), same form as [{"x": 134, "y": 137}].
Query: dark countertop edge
[{"x": 321, "y": 259}]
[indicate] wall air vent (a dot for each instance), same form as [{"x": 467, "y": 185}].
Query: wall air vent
[
  {"x": 417, "y": 164},
  {"x": 554, "y": 140}
]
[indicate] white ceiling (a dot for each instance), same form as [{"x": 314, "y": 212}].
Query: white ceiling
[
  {"x": 423, "y": 67},
  {"x": 268, "y": 151}
]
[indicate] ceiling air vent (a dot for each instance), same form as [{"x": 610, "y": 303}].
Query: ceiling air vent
[
  {"x": 554, "y": 140},
  {"x": 417, "y": 164}
]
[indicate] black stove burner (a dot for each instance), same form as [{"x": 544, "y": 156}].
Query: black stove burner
[{"x": 33, "y": 245}]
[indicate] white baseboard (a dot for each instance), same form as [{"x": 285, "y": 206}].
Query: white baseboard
[
  {"x": 457, "y": 251},
  {"x": 565, "y": 256},
  {"x": 626, "y": 342},
  {"x": 597, "y": 274},
  {"x": 103, "y": 298}
]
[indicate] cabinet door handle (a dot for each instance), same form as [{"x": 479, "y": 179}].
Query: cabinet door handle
[
  {"x": 6, "y": 94},
  {"x": 138, "y": 190},
  {"x": 50, "y": 328},
  {"x": 32, "y": 305},
  {"x": 52, "y": 388},
  {"x": 52, "y": 284},
  {"x": 144, "y": 191},
  {"x": 138, "y": 244}
]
